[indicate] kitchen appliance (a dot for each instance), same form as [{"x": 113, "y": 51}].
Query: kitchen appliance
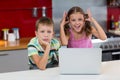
[
  {"x": 16, "y": 32},
  {"x": 110, "y": 47},
  {"x": 43, "y": 11},
  {"x": 11, "y": 37},
  {"x": 5, "y": 33},
  {"x": 35, "y": 12}
]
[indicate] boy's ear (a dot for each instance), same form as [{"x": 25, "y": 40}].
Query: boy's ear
[
  {"x": 53, "y": 34},
  {"x": 36, "y": 33}
]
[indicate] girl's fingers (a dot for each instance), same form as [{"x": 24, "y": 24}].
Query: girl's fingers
[
  {"x": 66, "y": 22},
  {"x": 89, "y": 13},
  {"x": 63, "y": 21},
  {"x": 64, "y": 15}
]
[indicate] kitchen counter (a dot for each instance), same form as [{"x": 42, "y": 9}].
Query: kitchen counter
[
  {"x": 109, "y": 71},
  {"x": 117, "y": 32},
  {"x": 18, "y": 44}
]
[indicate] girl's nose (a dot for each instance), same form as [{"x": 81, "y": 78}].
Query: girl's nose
[{"x": 77, "y": 22}]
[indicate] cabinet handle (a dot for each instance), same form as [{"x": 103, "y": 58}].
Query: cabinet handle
[
  {"x": 115, "y": 53},
  {"x": 3, "y": 54}
]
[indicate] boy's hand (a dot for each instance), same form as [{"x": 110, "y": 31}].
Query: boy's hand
[{"x": 44, "y": 43}]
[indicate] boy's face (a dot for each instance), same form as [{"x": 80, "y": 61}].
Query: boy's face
[{"x": 45, "y": 32}]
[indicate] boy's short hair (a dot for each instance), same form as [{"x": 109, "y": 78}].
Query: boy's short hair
[{"x": 44, "y": 21}]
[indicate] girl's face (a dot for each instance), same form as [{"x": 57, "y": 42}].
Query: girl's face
[
  {"x": 76, "y": 21},
  {"x": 45, "y": 32}
]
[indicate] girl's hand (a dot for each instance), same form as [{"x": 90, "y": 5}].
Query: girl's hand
[
  {"x": 89, "y": 15},
  {"x": 63, "y": 21}
]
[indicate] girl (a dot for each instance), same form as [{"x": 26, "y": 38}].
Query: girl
[{"x": 76, "y": 30}]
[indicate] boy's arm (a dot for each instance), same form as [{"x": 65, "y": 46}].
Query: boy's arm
[{"x": 41, "y": 61}]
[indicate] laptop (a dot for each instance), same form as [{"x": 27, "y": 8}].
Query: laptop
[{"x": 80, "y": 61}]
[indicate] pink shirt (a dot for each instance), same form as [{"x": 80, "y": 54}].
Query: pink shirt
[{"x": 84, "y": 42}]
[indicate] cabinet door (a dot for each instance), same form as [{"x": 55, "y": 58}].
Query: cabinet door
[{"x": 14, "y": 60}]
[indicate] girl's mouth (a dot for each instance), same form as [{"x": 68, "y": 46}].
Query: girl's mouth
[{"x": 77, "y": 27}]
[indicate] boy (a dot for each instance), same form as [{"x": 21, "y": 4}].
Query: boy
[{"x": 43, "y": 49}]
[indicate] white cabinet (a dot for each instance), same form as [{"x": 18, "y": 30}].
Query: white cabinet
[{"x": 13, "y": 60}]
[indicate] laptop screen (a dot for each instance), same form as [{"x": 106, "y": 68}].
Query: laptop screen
[{"x": 80, "y": 60}]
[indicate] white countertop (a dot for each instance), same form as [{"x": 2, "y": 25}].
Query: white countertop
[{"x": 109, "y": 71}]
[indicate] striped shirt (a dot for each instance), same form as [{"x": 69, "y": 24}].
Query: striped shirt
[{"x": 35, "y": 48}]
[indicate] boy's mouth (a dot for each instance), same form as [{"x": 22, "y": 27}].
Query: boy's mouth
[{"x": 46, "y": 39}]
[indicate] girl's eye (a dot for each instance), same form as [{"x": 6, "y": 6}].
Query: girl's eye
[
  {"x": 80, "y": 19},
  {"x": 73, "y": 19}
]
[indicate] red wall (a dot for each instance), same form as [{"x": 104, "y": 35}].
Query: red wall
[
  {"x": 115, "y": 11},
  {"x": 18, "y": 13}
]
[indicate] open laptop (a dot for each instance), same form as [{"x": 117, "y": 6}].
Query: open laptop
[{"x": 80, "y": 60}]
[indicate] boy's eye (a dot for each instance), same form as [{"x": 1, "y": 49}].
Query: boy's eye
[
  {"x": 49, "y": 31},
  {"x": 42, "y": 31}
]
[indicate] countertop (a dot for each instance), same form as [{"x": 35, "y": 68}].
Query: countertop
[
  {"x": 117, "y": 32},
  {"x": 18, "y": 44},
  {"x": 109, "y": 71}
]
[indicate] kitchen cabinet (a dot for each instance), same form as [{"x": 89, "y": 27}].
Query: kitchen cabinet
[{"x": 13, "y": 60}]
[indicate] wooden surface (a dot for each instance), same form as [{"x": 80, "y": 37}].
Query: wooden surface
[{"x": 18, "y": 44}]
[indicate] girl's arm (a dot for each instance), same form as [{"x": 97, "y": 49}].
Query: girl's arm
[
  {"x": 63, "y": 37},
  {"x": 97, "y": 30}
]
